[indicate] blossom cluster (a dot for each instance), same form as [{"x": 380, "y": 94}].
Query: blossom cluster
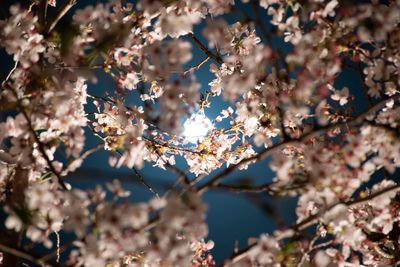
[{"x": 332, "y": 143}]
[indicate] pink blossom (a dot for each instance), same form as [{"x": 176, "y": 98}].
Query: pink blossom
[
  {"x": 278, "y": 106},
  {"x": 341, "y": 96}
]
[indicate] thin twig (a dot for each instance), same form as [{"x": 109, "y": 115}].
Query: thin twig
[
  {"x": 21, "y": 255},
  {"x": 64, "y": 9},
  {"x": 309, "y": 248},
  {"x": 182, "y": 177},
  {"x": 205, "y": 50},
  {"x": 245, "y": 189},
  {"x": 58, "y": 246},
  {"x": 138, "y": 175},
  {"x": 196, "y": 67},
  {"x": 322, "y": 245},
  {"x": 57, "y": 252},
  {"x": 10, "y": 73},
  {"x": 175, "y": 148},
  {"x": 144, "y": 182},
  {"x": 82, "y": 157},
  {"x": 42, "y": 12},
  {"x": 239, "y": 255},
  {"x": 73, "y": 67}
]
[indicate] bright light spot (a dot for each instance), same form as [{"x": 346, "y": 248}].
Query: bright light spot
[{"x": 197, "y": 127}]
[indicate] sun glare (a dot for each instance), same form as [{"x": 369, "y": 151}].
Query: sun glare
[{"x": 197, "y": 127}]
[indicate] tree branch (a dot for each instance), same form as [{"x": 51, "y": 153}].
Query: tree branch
[
  {"x": 197, "y": 66},
  {"x": 205, "y": 50},
  {"x": 41, "y": 148},
  {"x": 42, "y": 12},
  {"x": 138, "y": 175},
  {"x": 82, "y": 157},
  {"x": 22, "y": 255},
  {"x": 32, "y": 130},
  {"x": 312, "y": 219},
  {"x": 64, "y": 9},
  {"x": 245, "y": 189},
  {"x": 267, "y": 151}
]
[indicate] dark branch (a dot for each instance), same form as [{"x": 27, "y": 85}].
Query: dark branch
[{"x": 205, "y": 50}]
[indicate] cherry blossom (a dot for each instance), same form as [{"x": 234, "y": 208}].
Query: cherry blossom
[{"x": 279, "y": 69}]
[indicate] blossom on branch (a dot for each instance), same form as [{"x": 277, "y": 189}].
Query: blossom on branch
[{"x": 262, "y": 85}]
